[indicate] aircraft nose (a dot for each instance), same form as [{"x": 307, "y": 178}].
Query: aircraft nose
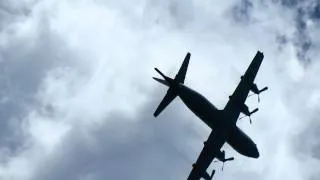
[{"x": 255, "y": 152}]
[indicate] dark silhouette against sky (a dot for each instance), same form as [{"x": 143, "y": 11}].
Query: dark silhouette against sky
[{"x": 222, "y": 122}]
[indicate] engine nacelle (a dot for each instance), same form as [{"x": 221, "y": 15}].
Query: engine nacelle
[
  {"x": 254, "y": 89},
  {"x": 244, "y": 109},
  {"x": 204, "y": 175},
  {"x": 221, "y": 156}
]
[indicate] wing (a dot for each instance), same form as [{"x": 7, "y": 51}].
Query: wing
[
  {"x": 211, "y": 147},
  {"x": 240, "y": 94}
]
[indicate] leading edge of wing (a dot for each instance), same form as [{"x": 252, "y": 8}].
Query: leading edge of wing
[
  {"x": 239, "y": 96},
  {"x": 254, "y": 66}
]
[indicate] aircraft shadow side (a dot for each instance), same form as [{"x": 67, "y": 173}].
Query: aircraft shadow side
[{"x": 222, "y": 122}]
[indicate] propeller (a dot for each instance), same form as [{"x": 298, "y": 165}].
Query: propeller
[
  {"x": 257, "y": 95},
  {"x": 223, "y": 159},
  {"x": 212, "y": 173},
  {"x": 256, "y": 91},
  {"x": 228, "y": 159},
  {"x": 246, "y": 116},
  {"x": 260, "y": 91},
  {"x": 222, "y": 164},
  {"x": 249, "y": 115}
]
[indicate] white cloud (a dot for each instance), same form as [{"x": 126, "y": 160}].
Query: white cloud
[{"x": 88, "y": 112}]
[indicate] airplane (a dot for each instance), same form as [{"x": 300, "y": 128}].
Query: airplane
[{"x": 222, "y": 122}]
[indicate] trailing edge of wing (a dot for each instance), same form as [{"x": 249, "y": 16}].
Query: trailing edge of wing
[
  {"x": 183, "y": 69},
  {"x": 165, "y": 101}
]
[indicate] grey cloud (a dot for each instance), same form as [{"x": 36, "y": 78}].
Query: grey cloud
[
  {"x": 303, "y": 40},
  {"x": 241, "y": 12},
  {"x": 24, "y": 63},
  {"x": 315, "y": 13},
  {"x": 308, "y": 142},
  {"x": 304, "y": 11},
  {"x": 171, "y": 13},
  {"x": 289, "y": 3},
  {"x": 282, "y": 41},
  {"x": 122, "y": 147},
  {"x": 11, "y": 12}
]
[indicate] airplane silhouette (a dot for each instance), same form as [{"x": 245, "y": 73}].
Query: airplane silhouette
[{"x": 222, "y": 122}]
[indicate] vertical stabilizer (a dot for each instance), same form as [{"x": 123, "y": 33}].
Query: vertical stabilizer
[{"x": 183, "y": 69}]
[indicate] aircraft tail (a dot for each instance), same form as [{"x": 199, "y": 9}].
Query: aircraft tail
[{"x": 172, "y": 84}]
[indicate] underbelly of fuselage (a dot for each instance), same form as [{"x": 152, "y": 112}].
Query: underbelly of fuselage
[
  {"x": 217, "y": 121},
  {"x": 201, "y": 107},
  {"x": 242, "y": 143}
]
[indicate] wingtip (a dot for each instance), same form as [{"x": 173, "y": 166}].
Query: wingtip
[
  {"x": 164, "y": 82},
  {"x": 154, "y": 78},
  {"x": 155, "y": 114}
]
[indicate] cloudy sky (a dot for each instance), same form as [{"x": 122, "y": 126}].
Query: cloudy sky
[{"x": 77, "y": 97}]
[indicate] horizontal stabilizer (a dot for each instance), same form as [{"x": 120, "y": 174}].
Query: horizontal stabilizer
[
  {"x": 164, "y": 77},
  {"x": 173, "y": 84},
  {"x": 161, "y": 81},
  {"x": 165, "y": 101}
]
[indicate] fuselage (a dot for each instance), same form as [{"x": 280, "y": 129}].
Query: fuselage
[
  {"x": 200, "y": 106},
  {"x": 217, "y": 121}
]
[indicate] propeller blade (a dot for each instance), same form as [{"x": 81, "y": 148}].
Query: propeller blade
[
  {"x": 222, "y": 166},
  {"x": 212, "y": 173},
  {"x": 242, "y": 117},
  {"x": 254, "y": 111},
  {"x": 264, "y": 89},
  {"x": 258, "y": 98},
  {"x": 230, "y": 159}
]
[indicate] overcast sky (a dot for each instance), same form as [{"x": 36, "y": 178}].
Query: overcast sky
[{"x": 77, "y": 97}]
